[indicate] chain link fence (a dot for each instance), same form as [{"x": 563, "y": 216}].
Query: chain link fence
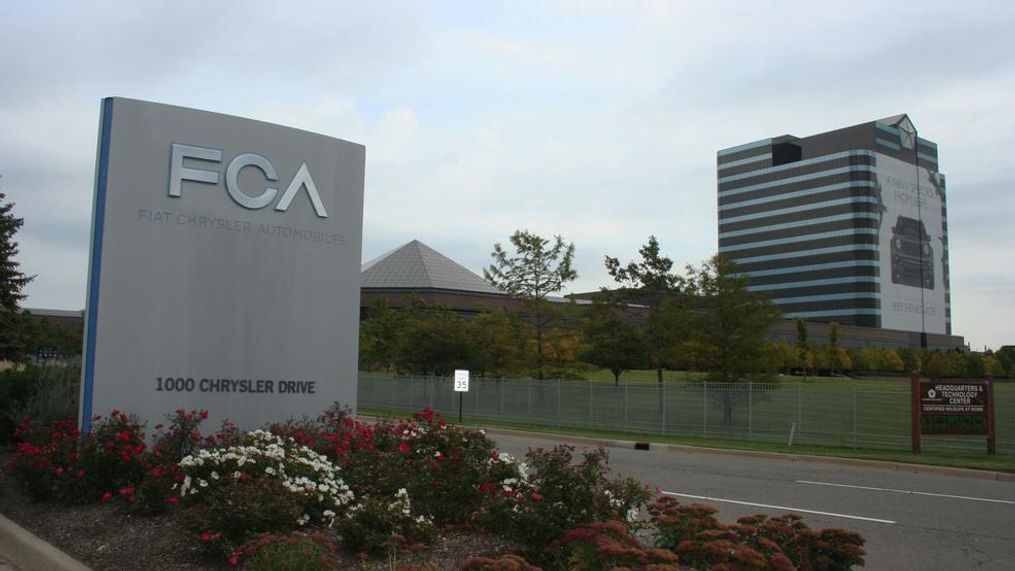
[{"x": 855, "y": 414}]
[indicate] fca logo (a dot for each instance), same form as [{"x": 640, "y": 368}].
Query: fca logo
[{"x": 179, "y": 173}]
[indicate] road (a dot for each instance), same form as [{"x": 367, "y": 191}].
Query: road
[{"x": 910, "y": 520}]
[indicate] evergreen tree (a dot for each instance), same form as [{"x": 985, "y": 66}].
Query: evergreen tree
[
  {"x": 652, "y": 283},
  {"x": 12, "y": 281}
]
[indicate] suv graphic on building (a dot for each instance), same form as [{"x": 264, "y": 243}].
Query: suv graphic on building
[{"x": 912, "y": 256}]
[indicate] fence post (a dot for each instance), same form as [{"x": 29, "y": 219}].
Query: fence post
[
  {"x": 477, "y": 395},
  {"x": 799, "y": 410},
  {"x": 625, "y": 407},
  {"x": 704, "y": 410},
  {"x": 854, "y": 414},
  {"x": 750, "y": 410},
  {"x": 528, "y": 399},
  {"x": 590, "y": 405},
  {"x": 500, "y": 398},
  {"x": 664, "y": 407},
  {"x": 558, "y": 401}
]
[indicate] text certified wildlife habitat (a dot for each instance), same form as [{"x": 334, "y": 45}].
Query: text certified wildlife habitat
[{"x": 227, "y": 250}]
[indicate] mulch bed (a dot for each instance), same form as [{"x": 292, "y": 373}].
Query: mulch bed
[{"x": 105, "y": 536}]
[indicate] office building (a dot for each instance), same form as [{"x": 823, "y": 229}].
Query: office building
[{"x": 847, "y": 226}]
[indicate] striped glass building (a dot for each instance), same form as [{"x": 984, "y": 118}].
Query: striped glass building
[{"x": 847, "y": 226}]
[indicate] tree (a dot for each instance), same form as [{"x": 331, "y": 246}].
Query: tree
[
  {"x": 834, "y": 358},
  {"x": 536, "y": 271},
  {"x": 500, "y": 341},
  {"x": 433, "y": 341},
  {"x": 730, "y": 327},
  {"x": 379, "y": 333},
  {"x": 613, "y": 343},
  {"x": 801, "y": 342},
  {"x": 12, "y": 281},
  {"x": 652, "y": 283}
]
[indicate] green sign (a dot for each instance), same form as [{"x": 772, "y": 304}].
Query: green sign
[{"x": 972, "y": 425}]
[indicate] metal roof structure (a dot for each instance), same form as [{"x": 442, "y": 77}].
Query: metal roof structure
[{"x": 416, "y": 266}]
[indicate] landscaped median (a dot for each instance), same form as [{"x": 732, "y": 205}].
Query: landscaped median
[{"x": 335, "y": 492}]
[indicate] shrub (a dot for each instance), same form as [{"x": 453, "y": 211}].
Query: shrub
[
  {"x": 374, "y": 521},
  {"x": 446, "y": 465},
  {"x": 296, "y": 551},
  {"x": 55, "y": 461},
  {"x": 113, "y": 456},
  {"x": 441, "y": 466},
  {"x": 508, "y": 562},
  {"x": 45, "y": 458},
  {"x": 606, "y": 545},
  {"x": 44, "y": 394},
  {"x": 157, "y": 490},
  {"x": 754, "y": 542},
  {"x": 266, "y": 484},
  {"x": 560, "y": 494}
]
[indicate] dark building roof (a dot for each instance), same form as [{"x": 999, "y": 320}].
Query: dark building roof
[{"x": 416, "y": 266}]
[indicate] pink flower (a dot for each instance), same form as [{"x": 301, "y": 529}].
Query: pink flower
[{"x": 234, "y": 559}]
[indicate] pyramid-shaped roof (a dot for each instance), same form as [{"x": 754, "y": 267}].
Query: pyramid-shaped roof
[{"x": 418, "y": 266}]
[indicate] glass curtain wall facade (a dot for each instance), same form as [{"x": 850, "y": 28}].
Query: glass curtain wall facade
[{"x": 847, "y": 226}]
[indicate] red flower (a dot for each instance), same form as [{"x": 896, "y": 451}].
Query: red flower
[
  {"x": 81, "y": 473},
  {"x": 123, "y": 436},
  {"x": 173, "y": 500},
  {"x": 404, "y": 447},
  {"x": 536, "y": 496},
  {"x": 204, "y": 415},
  {"x": 234, "y": 559},
  {"x": 106, "y": 497}
]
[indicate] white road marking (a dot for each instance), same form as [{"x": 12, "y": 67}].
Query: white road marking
[
  {"x": 914, "y": 492},
  {"x": 786, "y": 508}
]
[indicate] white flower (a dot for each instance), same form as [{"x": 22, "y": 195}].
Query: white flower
[
  {"x": 214, "y": 475},
  {"x": 632, "y": 514},
  {"x": 303, "y": 519},
  {"x": 270, "y": 471}
]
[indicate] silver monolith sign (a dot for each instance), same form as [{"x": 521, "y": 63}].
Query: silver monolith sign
[{"x": 224, "y": 270}]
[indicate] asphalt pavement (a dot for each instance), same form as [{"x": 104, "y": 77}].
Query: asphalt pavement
[{"x": 928, "y": 518}]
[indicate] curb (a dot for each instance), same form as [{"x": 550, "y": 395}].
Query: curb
[
  {"x": 686, "y": 449},
  {"x": 28, "y": 552}
]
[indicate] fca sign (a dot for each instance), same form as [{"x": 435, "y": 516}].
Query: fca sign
[{"x": 179, "y": 173}]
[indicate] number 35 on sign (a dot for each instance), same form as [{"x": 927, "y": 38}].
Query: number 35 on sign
[{"x": 461, "y": 381}]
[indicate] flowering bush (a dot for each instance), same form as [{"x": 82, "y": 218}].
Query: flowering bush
[
  {"x": 754, "y": 542},
  {"x": 56, "y": 461},
  {"x": 606, "y": 545},
  {"x": 112, "y": 455},
  {"x": 296, "y": 551},
  {"x": 445, "y": 466},
  {"x": 266, "y": 483},
  {"x": 374, "y": 522},
  {"x": 45, "y": 459},
  {"x": 508, "y": 562},
  {"x": 163, "y": 474},
  {"x": 441, "y": 466},
  {"x": 560, "y": 494}
]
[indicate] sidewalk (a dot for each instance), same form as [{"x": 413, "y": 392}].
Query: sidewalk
[{"x": 21, "y": 550}]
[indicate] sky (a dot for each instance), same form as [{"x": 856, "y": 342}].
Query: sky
[{"x": 595, "y": 120}]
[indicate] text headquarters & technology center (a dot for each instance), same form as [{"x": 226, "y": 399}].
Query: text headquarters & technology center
[{"x": 847, "y": 226}]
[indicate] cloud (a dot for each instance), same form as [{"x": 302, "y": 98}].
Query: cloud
[{"x": 598, "y": 120}]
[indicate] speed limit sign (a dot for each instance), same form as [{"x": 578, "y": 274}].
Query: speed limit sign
[{"x": 461, "y": 381}]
